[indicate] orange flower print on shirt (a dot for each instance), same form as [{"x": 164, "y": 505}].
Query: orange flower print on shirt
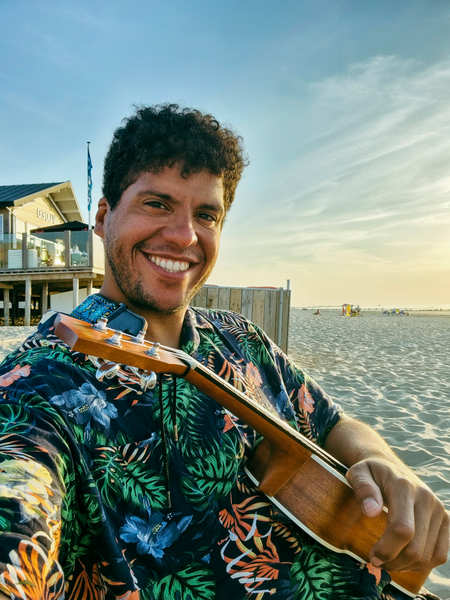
[
  {"x": 375, "y": 572},
  {"x": 252, "y": 373},
  {"x": 33, "y": 574},
  {"x": 305, "y": 399},
  {"x": 8, "y": 378}
]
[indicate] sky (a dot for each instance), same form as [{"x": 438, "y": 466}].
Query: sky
[{"x": 343, "y": 105}]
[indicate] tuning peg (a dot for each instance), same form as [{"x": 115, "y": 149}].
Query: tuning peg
[
  {"x": 148, "y": 382},
  {"x": 139, "y": 338},
  {"x": 101, "y": 324},
  {"x": 153, "y": 351},
  {"x": 115, "y": 339},
  {"x": 108, "y": 370}
]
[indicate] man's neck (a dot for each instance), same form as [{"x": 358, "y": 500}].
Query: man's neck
[
  {"x": 165, "y": 329},
  {"x": 162, "y": 328}
]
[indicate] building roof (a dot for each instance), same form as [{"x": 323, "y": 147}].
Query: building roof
[
  {"x": 68, "y": 226},
  {"x": 60, "y": 194}
]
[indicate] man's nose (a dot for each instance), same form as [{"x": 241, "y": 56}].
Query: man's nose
[{"x": 181, "y": 231}]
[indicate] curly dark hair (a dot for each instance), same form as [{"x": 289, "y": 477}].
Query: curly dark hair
[{"x": 165, "y": 135}]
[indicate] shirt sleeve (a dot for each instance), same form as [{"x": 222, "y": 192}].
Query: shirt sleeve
[
  {"x": 299, "y": 399},
  {"x": 315, "y": 411},
  {"x": 33, "y": 461},
  {"x": 291, "y": 392}
]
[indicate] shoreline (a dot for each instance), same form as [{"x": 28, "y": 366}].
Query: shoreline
[
  {"x": 368, "y": 311},
  {"x": 413, "y": 312}
]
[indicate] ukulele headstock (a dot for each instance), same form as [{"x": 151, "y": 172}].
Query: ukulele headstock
[{"x": 111, "y": 345}]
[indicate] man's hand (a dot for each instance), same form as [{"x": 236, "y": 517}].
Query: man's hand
[{"x": 417, "y": 533}]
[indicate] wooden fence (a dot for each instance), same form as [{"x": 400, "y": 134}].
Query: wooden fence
[{"x": 266, "y": 307}]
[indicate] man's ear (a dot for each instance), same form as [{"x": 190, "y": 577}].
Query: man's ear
[{"x": 103, "y": 209}]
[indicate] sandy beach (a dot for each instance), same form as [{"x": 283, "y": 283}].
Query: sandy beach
[{"x": 391, "y": 372}]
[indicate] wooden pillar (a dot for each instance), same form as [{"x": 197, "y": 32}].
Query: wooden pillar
[
  {"x": 76, "y": 287},
  {"x": 44, "y": 298},
  {"x": 13, "y": 303},
  {"x": 6, "y": 307},
  {"x": 89, "y": 287},
  {"x": 27, "y": 301}
]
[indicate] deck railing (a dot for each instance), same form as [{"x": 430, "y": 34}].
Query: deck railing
[{"x": 50, "y": 250}]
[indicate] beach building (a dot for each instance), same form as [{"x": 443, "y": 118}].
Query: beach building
[{"x": 45, "y": 249}]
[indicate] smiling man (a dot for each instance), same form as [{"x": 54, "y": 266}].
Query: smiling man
[
  {"x": 161, "y": 244},
  {"x": 109, "y": 490}
]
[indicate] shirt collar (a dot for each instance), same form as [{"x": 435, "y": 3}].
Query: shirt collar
[
  {"x": 97, "y": 306},
  {"x": 190, "y": 337},
  {"x": 94, "y": 307}
]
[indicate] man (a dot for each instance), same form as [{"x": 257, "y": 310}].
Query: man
[{"x": 108, "y": 491}]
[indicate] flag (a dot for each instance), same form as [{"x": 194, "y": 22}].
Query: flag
[{"x": 89, "y": 178}]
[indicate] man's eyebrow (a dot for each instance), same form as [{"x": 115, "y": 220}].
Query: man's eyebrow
[
  {"x": 157, "y": 194},
  {"x": 214, "y": 207}
]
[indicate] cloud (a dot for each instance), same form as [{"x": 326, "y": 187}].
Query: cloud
[
  {"x": 16, "y": 102},
  {"x": 373, "y": 171}
]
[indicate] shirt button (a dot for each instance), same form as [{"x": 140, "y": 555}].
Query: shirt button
[{"x": 220, "y": 423}]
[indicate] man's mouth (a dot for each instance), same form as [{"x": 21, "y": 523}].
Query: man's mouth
[{"x": 171, "y": 266}]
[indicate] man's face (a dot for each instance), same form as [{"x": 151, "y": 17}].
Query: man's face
[{"x": 162, "y": 239}]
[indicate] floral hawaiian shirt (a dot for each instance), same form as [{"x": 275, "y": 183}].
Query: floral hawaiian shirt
[{"x": 85, "y": 467}]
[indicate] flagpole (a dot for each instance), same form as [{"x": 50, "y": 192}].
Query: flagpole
[{"x": 89, "y": 184}]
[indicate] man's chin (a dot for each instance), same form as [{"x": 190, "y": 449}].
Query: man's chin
[
  {"x": 167, "y": 310},
  {"x": 157, "y": 305}
]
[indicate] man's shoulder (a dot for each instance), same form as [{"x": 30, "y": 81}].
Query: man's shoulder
[
  {"x": 234, "y": 326},
  {"x": 38, "y": 346}
]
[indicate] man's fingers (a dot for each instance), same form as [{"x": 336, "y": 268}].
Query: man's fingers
[
  {"x": 401, "y": 525},
  {"x": 365, "y": 489},
  {"x": 440, "y": 554},
  {"x": 410, "y": 533},
  {"x": 400, "y": 529},
  {"x": 435, "y": 550},
  {"x": 422, "y": 528},
  {"x": 417, "y": 531}
]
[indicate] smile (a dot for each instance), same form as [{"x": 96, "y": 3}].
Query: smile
[{"x": 170, "y": 265}]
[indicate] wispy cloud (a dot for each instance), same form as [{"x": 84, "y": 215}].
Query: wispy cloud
[
  {"x": 28, "y": 107},
  {"x": 374, "y": 175}
]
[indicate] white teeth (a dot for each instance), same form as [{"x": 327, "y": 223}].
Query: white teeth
[{"x": 169, "y": 265}]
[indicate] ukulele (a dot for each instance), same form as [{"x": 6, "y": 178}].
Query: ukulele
[{"x": 299, "y": 477}]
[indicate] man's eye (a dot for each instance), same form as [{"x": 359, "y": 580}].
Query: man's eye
[
  {"x": 207, "y": 217},
  {"x": 155, "y": 204}
]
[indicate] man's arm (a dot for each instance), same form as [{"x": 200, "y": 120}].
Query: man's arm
[{"x": 417, "y": 534}]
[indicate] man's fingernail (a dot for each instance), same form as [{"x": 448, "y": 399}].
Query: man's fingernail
[
  {"x": 369, "y": 504},
  {"x": 376, "y": 562}
]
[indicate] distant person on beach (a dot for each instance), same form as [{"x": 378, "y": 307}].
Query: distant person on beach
[{"x": 109, "y": 490}]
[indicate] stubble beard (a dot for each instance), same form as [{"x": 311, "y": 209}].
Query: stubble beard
[{"x": 133, "y": 289}]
